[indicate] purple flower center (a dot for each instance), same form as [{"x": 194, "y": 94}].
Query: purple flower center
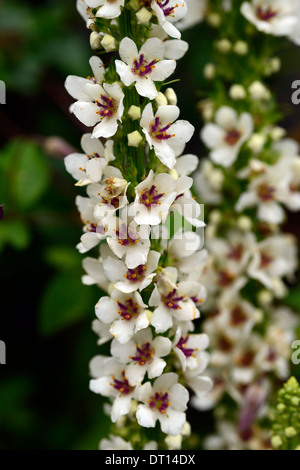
[
  {"x": 143, "y": 354},
  {"x": 125, "y": 238},
  {"x": 141, "y": 67},
  {"x": 265, "y": 260},
  {"x": 172, "y": 301},
  {"x": 232, "y": 136},
  {"x": 128, "y": 310},
  {"x": 160, "y": 402},
  {"x": 137, "y": 274},
  {"x": 266, "y": 192},
  {"x": 164, "y": 5},
  {"x": 93, "y": 155},
  {"x": 122, "y": 385},
  {"x": 150, "y": 197},
  {"x": 196, "y": 300},
  {"x": 92, "y": 228},
  {"x": 246, "y": 359},
  {"x": 160, "y": 133},
  {"x": 225, "y": 278},
  {"x": 237, "y": 316},
  {"x": 224, "y": 344},
  {"x": 235, "y": 252},
  {"x": 188, "y": 352},
  {"x": 112, "y": 202},
  {"x": 265, "y": 14},
  {"x": 107, "y": 106}
]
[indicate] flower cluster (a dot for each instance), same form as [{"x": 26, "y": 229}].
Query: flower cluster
[
  {"x": 286, "y": 428},
  {"x": 138, "y": 188},
  {"x": 250, "y": 180}
]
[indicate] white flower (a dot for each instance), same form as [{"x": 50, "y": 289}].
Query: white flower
[
  {"x": 97, "y": 105},
  {"x": 75, "y": 85},
  {"x": 94, "y": 269},
  {"x": 186, "y": 164},
  {"x": 207, "y": 185},
  {"x": 184, "y": 253},
  {"x": 109, "y": 195},
  {"x": 189, "y": 349},
  {"x": 84, "y": 13},
  {"x": 115, "y": 443},
  {"x": 275, "y": 17},
  {"x": 196, "y": 10},
  {"x": 176, "y": 303},
  {"x": 166, "y": 402},
  {"x": 173, "y": 48},
  {"x": 154, "y": 197},
  {"x": 226, "y": 137},
  {"x": 273, "y": 258},
  {"x": 112, "y": 382},
  {"x": 125, "y": 314},
  {"x": 232, "y": 254},
  {"x": 126, "y": 239},
  {"x": 88, "y": 167},
  {"x": 95, "y": 230},
  {"x": 266, "y": 191},
  {"x": 168, "y": 12},
  {"x": 289, "y": 165},
  {"x": 129, "y": 280},
  {"x": 144, "y": 66},
  {"x": 106, "y": 8},
  {"x": 185, "y": 204},
  {"x": 102, "y": 330},
  {"x": 198, "y": 383},
  {"x": 163, "y": 134},
  {"x": 234, "y": 315},
  {"x": 143, "y": 354}
]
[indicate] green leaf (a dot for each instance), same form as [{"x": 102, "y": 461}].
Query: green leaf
[
  {"x": 14, "y": 233},
  {"x": 63, "y": 258},
  {"x": 293, "y": 299},
  {"x": 30, "y": 175},
  {"x": 65, "y": 302}
]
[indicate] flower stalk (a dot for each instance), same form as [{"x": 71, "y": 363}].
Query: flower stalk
[
  {"x": 137, "y": 181},
  {"x": 249, "y": 181}
]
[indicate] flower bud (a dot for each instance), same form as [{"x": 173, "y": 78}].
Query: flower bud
[
  {"x": 215, "y": 217},
  {"x": 95, "y": 40},
  {"x": 108, "y": 43},
  {"x": 277, "y": 133},
  {"x": 134, "y": 5},
  {"x": 241, "y": 48},
  {"x": 161, "y": 100},
  {"x": 265, "y": 297},
  {"x": 237, "y": 92},
  {"x": 209, "y": 71},
  {"x": 224, "y": 46},
  {"x": 173, "y": 442},
  {"x": 134, "y": 139},
  {"x": 244, "y": 223},
  {"x": 171, "y": 96},
  {"x": 256, "y": 143},
  {"x": 276, "y": 442},
  {"x": 290, "y": 432},
  {"x": 214, "y": 19},
  {"x": 258, "y": 91},
  {"x": 143, "y": 16},
  {"x": 134, "y": 112}
]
